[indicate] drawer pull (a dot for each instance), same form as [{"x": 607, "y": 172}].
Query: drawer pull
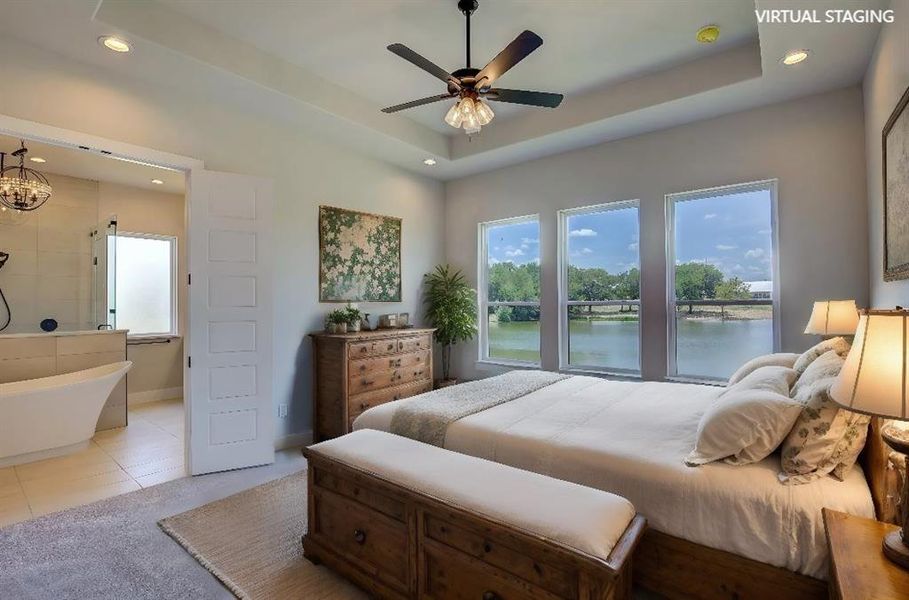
[
  {"x": 362, "y": 368},
  {"x": 490, "y": 595},
  {"x": 397, "y": 397},
  {"x": 366, "y": 382},
  {"x": 487, "y": 547},
  {"x": 363, "y": 349},
  {"x": 363, "y": 406},
  {"x": 391, "y": 346},
  {"x": 360, "y": 538},
  {"x": 400, "y": 345},
  {"x": 417, "y": 373}
]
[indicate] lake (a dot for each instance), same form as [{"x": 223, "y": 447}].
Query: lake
[{"x": 706, "y": 347}]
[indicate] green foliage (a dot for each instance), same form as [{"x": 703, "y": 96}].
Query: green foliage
[
  {"x": 451, "y": 308},
  {"x": 733, "y": 289},
  {"x": 352, "y": 315},
  {"x": 509, "y": 282},
  {"x": 696, "y": 281},
  {"x": 337, "y": 316}
]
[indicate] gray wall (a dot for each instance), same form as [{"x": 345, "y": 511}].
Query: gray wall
[
  {"x": 885, "y": 81},
  {"x": 814, "y": 146}
]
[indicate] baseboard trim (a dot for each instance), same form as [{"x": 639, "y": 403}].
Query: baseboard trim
[
  {"x": 294, "y": 440},
  {"x": 154, "y": 395}
]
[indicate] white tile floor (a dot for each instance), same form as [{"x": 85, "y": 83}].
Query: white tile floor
[{"x": 147, "y": 452}]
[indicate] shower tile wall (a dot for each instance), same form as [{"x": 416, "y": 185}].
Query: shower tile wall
[{"x": 49, "y": 272}]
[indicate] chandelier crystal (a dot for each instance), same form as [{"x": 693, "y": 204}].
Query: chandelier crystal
[
  {"x": 22, "y": 188},
  {"x": 469, "y": 113}
]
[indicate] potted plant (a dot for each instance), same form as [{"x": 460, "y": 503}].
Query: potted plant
[
  {"x": 353, "y": 318},
  {"x": 451, "y": 307},
  {"x": 336, "y": 321}
]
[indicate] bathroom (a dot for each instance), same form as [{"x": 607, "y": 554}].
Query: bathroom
[{"x": 95, "y": 276}]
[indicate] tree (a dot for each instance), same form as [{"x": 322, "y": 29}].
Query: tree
[
  {"x": 696, "y": 281},
  {"x": 733, "y": 289},
  {"x": 451, "y": 308}
]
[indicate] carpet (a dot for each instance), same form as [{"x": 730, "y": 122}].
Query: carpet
[{"x": 251, "y": 542}]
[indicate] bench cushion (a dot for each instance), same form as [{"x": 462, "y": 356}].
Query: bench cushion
[{"x": 583, "y": 518}]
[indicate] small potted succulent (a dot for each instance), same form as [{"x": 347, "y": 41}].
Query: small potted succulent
[
  {"x": 353, "y": 318},
  {"x": 336, "y": 321}
]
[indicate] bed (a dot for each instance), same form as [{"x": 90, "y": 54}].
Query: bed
[{"x": 717, "y": 531}]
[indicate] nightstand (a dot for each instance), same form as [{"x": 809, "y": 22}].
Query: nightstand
[{"x": 858, "y": 568}]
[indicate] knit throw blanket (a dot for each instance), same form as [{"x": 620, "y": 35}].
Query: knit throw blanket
[{"x": 426, "y": 418}]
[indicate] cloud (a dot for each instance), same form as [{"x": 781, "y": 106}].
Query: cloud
[
  {"x": 754, "y": 253},
  {"x": 494, "y": 261},
  {"x": 535, "y": 261},
  {"x": 633, "y": 246},
  {"x": 525, "y": 247},
  {"x": 530, "y": 240},
  {"x": 582, "y": 233},
  {"x": 515, "y": 252},
  {"x": 709, "y": 216},
  {"x": 586, "y": 251},
  {"x": 725, "y": 247},
  {"x": 737, "y": 268},
  {"x": 765, "y": 232}
]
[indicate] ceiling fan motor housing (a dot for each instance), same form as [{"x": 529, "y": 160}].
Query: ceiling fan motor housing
[{"x": 468, "y": 7}]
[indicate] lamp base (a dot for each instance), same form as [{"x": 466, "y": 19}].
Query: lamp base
[{"x": 895, "y": 549}]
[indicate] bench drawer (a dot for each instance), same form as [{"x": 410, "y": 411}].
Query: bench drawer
[
  {"x": 448, "y": 576},
  {"x": 364, "y": 366},
  {"x": 370, "y": 541},
  {"x": 497, "y": 553}
]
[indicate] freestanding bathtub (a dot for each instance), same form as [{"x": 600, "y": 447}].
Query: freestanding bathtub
[{"x": 50, "y": 416}]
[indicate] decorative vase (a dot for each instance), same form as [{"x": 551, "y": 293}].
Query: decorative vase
[
  {"x": 353, "y": 327},
  {"x": 336, "y": 328}
]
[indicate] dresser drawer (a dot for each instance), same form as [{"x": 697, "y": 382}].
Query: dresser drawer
[
  {"x": 366, "y": 538},
  {"x": 374, "y": 348},
  {"x": 448, "y": 576},
  {"x": 491, "y": 550},
  {"x": 362, "y": 366},
  {"x": 412, "y": 344},
  {"x": 378, "y": 380},
  {"x": 363, "y": 402}
]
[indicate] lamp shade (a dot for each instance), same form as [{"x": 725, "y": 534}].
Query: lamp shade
[
  {"x": 833, "y": 317},
  {"x": 873, "y": 379}
]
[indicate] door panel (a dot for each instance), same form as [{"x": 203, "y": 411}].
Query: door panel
[{"x": 229, "y": 382}]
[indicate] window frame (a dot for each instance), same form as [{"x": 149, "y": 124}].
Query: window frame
[
  {"x": 483, "y": 303},
  {"x": 564, "y": 303},
  {"x": 770, "y": 185},
  {"x": 174, "y": 313}
]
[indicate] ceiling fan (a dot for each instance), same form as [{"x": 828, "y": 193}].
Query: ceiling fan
[{"x": 473, "y": 86}]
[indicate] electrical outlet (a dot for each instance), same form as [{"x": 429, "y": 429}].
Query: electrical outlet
[{"x": 282, "y": 411}]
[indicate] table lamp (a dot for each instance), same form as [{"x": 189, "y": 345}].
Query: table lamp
[
  {"x": 833, "y": 317},
  {"x": 875, "y": 381}
]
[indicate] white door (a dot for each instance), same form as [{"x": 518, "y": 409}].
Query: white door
[{"x": 228, "y": 381}]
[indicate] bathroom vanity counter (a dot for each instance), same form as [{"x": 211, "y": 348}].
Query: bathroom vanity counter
[{"x": 34, "y": 355}]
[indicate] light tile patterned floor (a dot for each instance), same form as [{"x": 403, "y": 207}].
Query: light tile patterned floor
[{"x": 147, "y": 452}]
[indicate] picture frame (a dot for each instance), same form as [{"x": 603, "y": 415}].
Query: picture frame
[
  {"x": 359, "y": 256},
  {"x": 895, "y": 167}
]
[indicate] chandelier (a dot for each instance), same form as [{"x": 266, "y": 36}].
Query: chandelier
[
  {"x": 22, "y": 188},
  {"x": 471, "y": 113}
]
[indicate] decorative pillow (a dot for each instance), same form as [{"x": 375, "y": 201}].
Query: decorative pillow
[
  {"x": 837, "y": 344},
  {"x": 825, "y": 439},
  {"x": 745, "y": 427},
  {"x": 771, "y": 379},
  {"x": 779, "y": 359}
]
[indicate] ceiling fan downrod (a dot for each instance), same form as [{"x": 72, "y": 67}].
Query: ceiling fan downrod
[{"x": 468, "y": 7}]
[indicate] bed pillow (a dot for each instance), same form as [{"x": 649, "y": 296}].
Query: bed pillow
[
  {"x": 779, "y": 359},
  {"x": 768, "y": 378},
  {"x": 837, "y": 344},
  {"x": 826, "y": 439},
  {"x": 745, "y": 427}
]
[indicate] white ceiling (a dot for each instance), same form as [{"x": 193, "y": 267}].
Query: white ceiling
[
  {"x": 587, "y": 44},
  {"x": 88, "y": 165},
  {"x": 626, "y": 66}
]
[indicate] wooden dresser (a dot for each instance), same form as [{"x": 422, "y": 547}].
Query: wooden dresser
[{"x": 356, "y": 371}]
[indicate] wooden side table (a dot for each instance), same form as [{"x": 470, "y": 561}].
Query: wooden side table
[{"x": 858, "y": 568}]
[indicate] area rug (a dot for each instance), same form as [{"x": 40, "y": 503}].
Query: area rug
[{"x": 251, "y": 542}]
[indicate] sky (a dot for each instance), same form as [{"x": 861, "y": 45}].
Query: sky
[{"x": 732, "y": 232}]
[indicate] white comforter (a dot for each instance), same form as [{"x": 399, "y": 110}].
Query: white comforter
[{"x": 630, "y": 438}]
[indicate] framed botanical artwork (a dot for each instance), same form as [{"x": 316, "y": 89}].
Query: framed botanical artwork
[
  {"x": 359, "y": 256},
  {"x": 896, "y": 192}
]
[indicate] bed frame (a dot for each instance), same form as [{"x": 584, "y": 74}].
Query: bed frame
[{"x": 679, "y": 569}]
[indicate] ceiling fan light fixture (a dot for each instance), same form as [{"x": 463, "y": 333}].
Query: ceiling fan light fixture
[
  {"x": 453, "y": 117},
  {"x": 484, "y": 113}
]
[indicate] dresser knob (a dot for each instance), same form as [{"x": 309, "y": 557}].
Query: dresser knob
[
  {"x": 490, "y": 595},
  {"x": 400, "y": 345},
  {"x": 363, "y": 406},
  {"x": 362, "y": 367},
  {"x": 391, "y": 346},
  {"x": 360, "y": 537},
  {"x": 363, "y": 349},
  {"x": 367, "y": 382},
  {"x": 397, "y": 397},
  {"x": 487, "y": 547}
]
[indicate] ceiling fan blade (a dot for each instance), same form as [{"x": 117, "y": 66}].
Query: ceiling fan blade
[
  {"x": 424, "y": 63},
  {"x": 546, "y": 99},
  {"x": 414, "y": 103},
  {"x": 513, "y": 53}
]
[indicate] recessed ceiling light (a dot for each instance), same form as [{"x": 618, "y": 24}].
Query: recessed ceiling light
[
  {"x": 114, "y": 43},
  {"x": 37, "y": 159},
  {"x": 708, "y": 34},
  {"x": 429, "y": 162},
  {"x": 794, "y": 57},
  {"x": 157, "y": 182}
]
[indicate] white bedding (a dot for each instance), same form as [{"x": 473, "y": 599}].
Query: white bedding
[{"x": 631, "y": 438}]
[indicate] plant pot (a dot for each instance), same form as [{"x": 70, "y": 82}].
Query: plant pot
[
  {"x": 353, "y": 327},
  {"x": 337, "y": 328},
  {"x": 443, "y": 383}
]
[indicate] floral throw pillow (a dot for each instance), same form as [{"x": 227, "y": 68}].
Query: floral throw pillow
[
  {"x": 825, "y": 439},
  {"x": 837, "y": 344}
]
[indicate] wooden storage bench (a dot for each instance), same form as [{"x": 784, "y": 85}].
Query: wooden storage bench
[{"x": 403, "y": 519}]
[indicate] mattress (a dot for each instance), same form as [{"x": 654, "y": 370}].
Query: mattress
[{"x": 631, "y": 438}]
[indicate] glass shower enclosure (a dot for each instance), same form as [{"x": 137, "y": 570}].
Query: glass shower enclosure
[{"x": 104, "y": 268}]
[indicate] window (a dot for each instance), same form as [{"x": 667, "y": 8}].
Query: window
[
  {"x": 510, "y": 291},
  {"x": 722, "y": 279},
  {"x": 599, "y": 288},
  {"x": 145, "y": 284}
]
